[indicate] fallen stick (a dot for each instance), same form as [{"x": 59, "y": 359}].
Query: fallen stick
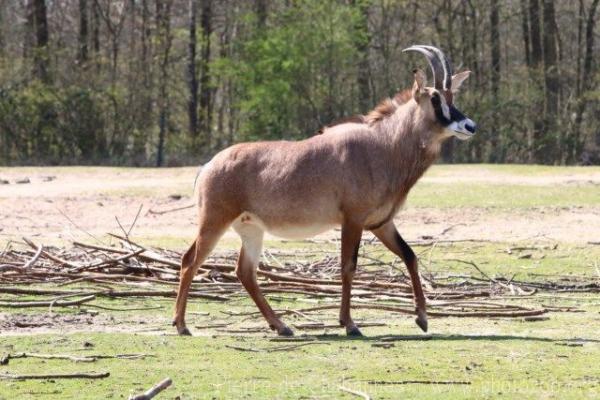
[
  {"x": 134, "y": 356},
  {"x": 50, "y": 256},
  {"x": 50, "y": 357},
  {"x": 161, "y": 212},
  {"x": 110, "y": 293},
  {"x": 252, "y": 349},
  {"x": 33, "y": 260},
  {"x": 89, "y": 358},
  {"x": 212, "y": 326},
  {"x": 243, "y": 330},
  {"x": 98, "y": 247},
  {"x": 150, "y": 393},
  {"x": 275, "y": 348},
  {"x": 79, "y": 375},
  {"x": 364, "y": 395},
  {"x": 321, "y": 325},
  {"x": 53, "y": 303},
  {"x": 109, "y": 261},
  {"x": 292, "y": 346},
  {"x": 125, "y": 309},
  {"x": 516, "y": 313},
  {"x": 421, "y": 382}
]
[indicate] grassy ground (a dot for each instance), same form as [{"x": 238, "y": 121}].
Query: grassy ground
[
  {"x": 500, "y": 358},
  {"x": 555, "y": 358}
]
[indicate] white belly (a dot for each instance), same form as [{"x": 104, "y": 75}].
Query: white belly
[
  {"x": 285, "y": 231},
  {"x": 299, "y": 232}
]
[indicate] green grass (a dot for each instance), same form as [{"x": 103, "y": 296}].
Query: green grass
[
  {"x": 522, "y": 261},
  {"x": 479, "y": 195},
  {"x": 449, "y": 170},
  {"x": 501, "y": 358},
  {"x": 508, "y": 360}
]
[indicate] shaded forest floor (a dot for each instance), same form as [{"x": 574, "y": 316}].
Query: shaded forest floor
[{"x": 522, "y": 223}]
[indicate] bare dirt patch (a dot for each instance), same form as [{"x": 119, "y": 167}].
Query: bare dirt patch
[
  {"x": 54, "y": 322},
  {"x": 77, "y": 202}
]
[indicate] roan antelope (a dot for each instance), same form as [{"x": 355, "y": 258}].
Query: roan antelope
[{"x": 356, "y": 174}]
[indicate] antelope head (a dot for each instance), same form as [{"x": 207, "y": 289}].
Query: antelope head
[{"x": 437, "y": 102}]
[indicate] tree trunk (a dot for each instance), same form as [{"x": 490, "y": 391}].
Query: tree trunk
[
  {"x": 551, "y": 83},
  {"x": 133, "y": 62},
  {"x": 445, "y": 35},
  {"x": 495, "y": 73},
  {"x": 580, "y": 25},
  {"x": 2, "y": 40},
  {"x": 96, "y": 35},
  {"x": 538, "y": 145},
  {"x": 362, "y": 42},
  {"x": 205, "y": 123},
  {"x": 525, "y": 28},
  {"x": 261, "y": 10},
  {"x": 192, "y": 75},
  {"x": 163, "y": 24},
  {"x": 41, "y": 56},
  {"x": 535, "y": 32},
  {"x": 474, "y": 44},
  {"x": 586, "y": 81},
  {"x": 28, "y": 29},
  {"x": 145, "y": 57},
  {"x": 82, "y": 57}
]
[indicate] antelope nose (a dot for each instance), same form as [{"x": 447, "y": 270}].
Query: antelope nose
[{"x": 470, "y": 126}]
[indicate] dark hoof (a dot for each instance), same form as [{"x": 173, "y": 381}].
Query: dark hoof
[
  {"x": 184, "y": 331},
  {"x": 285, "y": 331},
  {"x": 421, "y": 321},
  {"x": 353, "y": 331}
]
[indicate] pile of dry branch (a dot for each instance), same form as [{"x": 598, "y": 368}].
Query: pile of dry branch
[{"x": 128, "y": 269}]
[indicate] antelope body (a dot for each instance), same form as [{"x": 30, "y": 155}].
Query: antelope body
[{"x": 355, "y": 175}]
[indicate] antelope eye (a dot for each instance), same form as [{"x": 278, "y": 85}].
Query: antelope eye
[{"x": 435, "y": 99}]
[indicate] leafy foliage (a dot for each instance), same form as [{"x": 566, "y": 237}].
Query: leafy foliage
[{"x": 274, "y": 69}]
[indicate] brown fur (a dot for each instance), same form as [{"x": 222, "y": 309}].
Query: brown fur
[
  {"x": 383, "y": 110},
  {"x": 387, "y": 107},
  {"x": 357, "y": 178},
  {"x": 359, "y": 119}
]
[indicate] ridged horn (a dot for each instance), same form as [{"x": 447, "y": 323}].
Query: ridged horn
[{"x": 440, "y": 66}]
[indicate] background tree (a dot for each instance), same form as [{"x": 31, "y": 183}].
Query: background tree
[
  {"x": 40, "y": 26},
  {"x": 205, "y": 84},
  {"x": 192, "y": 74},
  {"x": 170, "y": 82},
  {"x": 495, "y": 70}
]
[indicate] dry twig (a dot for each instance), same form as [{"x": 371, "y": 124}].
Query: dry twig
[
  {"x": 153, "y": 391},
  {"x": 364, "y": 395},
  {"x": 79, "y": 375}
]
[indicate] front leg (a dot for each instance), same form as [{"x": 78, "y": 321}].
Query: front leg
[
  {"x": 390, "y": 237},
  {"x": 351, "y": 235}
]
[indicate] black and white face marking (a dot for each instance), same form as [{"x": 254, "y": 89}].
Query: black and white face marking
[{"x": 453, "y": 120}]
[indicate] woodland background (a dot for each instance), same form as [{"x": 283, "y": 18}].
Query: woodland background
[{"x": 170, "y": 82}]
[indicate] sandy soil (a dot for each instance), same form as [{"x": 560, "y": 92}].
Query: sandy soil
[
  {"x": 45, "y": 322},
  {"x": 62, "y": 204}
]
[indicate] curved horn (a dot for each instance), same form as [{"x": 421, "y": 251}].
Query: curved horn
[
  {"x": 434, "y": 62},
  {"x": 445, "y": 63}
]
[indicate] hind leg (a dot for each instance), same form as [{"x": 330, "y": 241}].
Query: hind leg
[
  {"x": 252, "y": 237},
  {"x": 389, "y": 236},
  {"x": 209, "y": 234}
]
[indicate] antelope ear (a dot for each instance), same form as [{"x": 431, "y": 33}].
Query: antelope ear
[
  {"x": 458, "y": 79},
  {"x": 420, "y": 82}
]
